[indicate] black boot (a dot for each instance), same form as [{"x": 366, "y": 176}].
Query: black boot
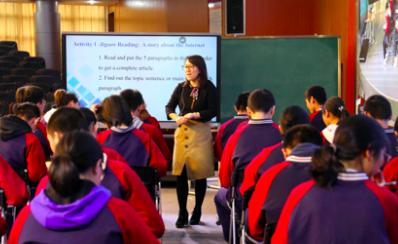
[
  {"x": 195, "y": 218},
  {"x": 182, "y": 219}
]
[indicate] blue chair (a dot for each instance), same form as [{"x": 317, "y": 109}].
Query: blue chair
[
  {"x": 14, "y": 59},
  {"x": 21, "y": 54},
  {"x": 24, "y": 71},
  {"x": 16, "y": 79},
  {"x": 9, "y": 87},
  {"x": 12, "y": 44},
  {"x": 37, "y": 60}
]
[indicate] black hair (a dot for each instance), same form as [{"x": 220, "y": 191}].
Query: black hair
[
  {"x": 75, "y": 153},
  {"x": 89, "y": 115},
  {"x": 133, "y": 98},
  {"x": 241, "y": 101},
  {"x": 66, "y": 119},
  {"x": 27, "y": 111},
  {"x": 378, "y": 107},
  {"x": 261, "y": 100},
  {"x": 317, "y": 92},
  {"x": 32, "y": 94},
  {"x": 291, "y": 116},
  {"x": 62, "y": 98},
  {"x": 114, "y": 111},
  {"x": 198, "y": 61},
  {"x": 354, "y": 135},
  {"x": 336, "y": 106},
  {"x": 299, "y": 134},
  {"x": 396, "y": 125}
]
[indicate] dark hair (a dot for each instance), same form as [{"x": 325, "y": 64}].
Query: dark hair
[
  {"x": 65, "y": 120},
  {"x": 396, "y": 124},
  {"x": 241, "y": 101},
  {"x": 114, "y": 111},
  {"x": 317, "y": 92},
  {"x": 299, "y": 134},
  {"x": 133, "y": 98},
  {"x": 378, "y": 107},
  {"x": 336, "y": 106},
  {"x": 199, "y": 62},
  {"x": 32, "y": 94},
  {"x": 27, "y": 111},
  {"x": 62, "y": 98},
  {"x": 75, "y": 153},
  {"x": 261, "y": 100},
  {"x": 89, "y": 115},
  {"x": 354, "y": 135},
  {"x": 291, "y": 116}
]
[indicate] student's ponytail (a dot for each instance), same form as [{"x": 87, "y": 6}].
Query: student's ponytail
[
  {"x": 64, "y": 176},
  {"x": 63, "y": 98},
  {"x": 336, "y": 107},
  {"x": 326, "y": 167},
  {"x": 354, "y": 136}
]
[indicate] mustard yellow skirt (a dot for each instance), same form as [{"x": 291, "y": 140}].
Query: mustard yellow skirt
[{"x": 193, "y": 148}]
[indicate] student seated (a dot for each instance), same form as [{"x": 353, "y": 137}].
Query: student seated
[
  {"x": 390, "y": 171},
  {"x": 332, "y": 113},
  {"x": 76, "y": 208},
  {"x": 62, "y": 99},
  {"x": 19, "y": 147},
  {"x": 315, "y": 97},
  {"x": 148, "y": 119},
  {"x": 341, "y": 204},
  {"x": 228, "y": 128},
  {"x": 35, "y": 95},
  {"x": 15, "y": 190},
  {"x": 270, "y": 156},
  {"x": 247, "y": 142},
  {"x": 276, "y": 183},
  {"x": 118, "y": 177},
  {"x": 135, "y": 102},
  {"x": 379, "y": 108},
  {"x": 93, "y": 127},
  {"x": 133, "y": 144}
]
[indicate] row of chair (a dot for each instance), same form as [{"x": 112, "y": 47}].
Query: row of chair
[
  {"x": 33, "y": 61},
  {"x": 29, "y": 72},
  {"x": 21, "y": 80}
]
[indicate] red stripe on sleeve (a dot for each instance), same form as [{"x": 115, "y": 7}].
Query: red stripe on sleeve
[
  {"x": 323, "y": 137},
  {"x": 251, "y": 170},
  {"x": 156, "y": 158},
  {"x": 35, "y": 158},
  {"x": 218, "y": 143},
  {"x": 312, "y": 116},
  {"x": 390, "y": 172},
  {"x": 159, "y": 140},
  {"x": 14, "y": 187},
  {"x": 18, "y": 225},
  {"x": 43, "y": 129},
  {"x": 281, "y": 234},
  {"x": 133, "y": 227},
  {"x": 113, "y": 154},
  {"x": 275, "y": 126},
  {"x": 137, "y": 196},
  {"x": 42, "y": 185},
  {"x": 389, "y": 202},
  {"x": 256, "y": 216},
  {"x": 227, "y": 165},
  {"x": 101, "y": 137},
  {"x": 155, "y": 123}
]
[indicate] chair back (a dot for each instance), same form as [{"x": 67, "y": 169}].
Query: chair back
[
  {"x": 24, "y": 71},
  {"x": 246, "y": 198},
  {"x": 4, "y": 72},
  {"x": 37, "y": 60},
  {"x": 14, "y": 59},
  {"x": 12, "y": 44},
  {"x": 269, "y": 232},
  {"x": 148, "y": 175},
  {"x": 9, "y": 87},
  {"x": 13, "y": 108},
  {"x": 52, "y": 72},
  {"x": 3, "y": 53},
  {"x": 50, "y": 97},
  {"x": 20, "y": 54},
  {"x": 7, "y": 98},
  {"x": 44, "y": 79},
  {"x": 3, "y": 109},
  {"x": 43, "y": 86},
  {"x": 59, "y": 86},
  {"x": 16, "y": 79},
  {"x": 30, "y": 65},
  {"x": 8, "y": 64},
  {"x": 237, "y": 177},
  {"x": 6, "y": 48}
]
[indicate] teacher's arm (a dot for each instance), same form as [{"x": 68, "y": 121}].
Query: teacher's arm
[
  {"x": 171, "y": 106},
  {"x": 211, "y": 101}
]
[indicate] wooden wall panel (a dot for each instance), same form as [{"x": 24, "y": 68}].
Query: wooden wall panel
[{"x": 187, "y": 16}]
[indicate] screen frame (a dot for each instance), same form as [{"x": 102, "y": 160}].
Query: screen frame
[{"x": 165, "y": 123}]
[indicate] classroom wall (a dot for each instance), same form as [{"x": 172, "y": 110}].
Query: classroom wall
[{"x": 162, "y": 16}]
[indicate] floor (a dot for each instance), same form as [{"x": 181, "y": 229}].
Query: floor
[{"x": 207, "y": 232}]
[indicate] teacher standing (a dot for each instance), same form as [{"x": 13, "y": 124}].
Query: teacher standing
[{"x": 193, "y": 157}]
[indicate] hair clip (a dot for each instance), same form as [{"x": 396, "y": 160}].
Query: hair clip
[{"x": 341, "y": 108}]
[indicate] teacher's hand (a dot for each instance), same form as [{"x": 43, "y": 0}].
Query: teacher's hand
[
  {"x": 181, "y": 120},
  {"x": 190, "y": 116}
]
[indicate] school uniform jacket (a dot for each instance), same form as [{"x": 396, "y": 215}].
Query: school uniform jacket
[
  {"x": 246, "y": 143},
  {"x": 390, "y": 173},
  {"x": 356, "y": 211},
  {"x": 153, "y": 121},
  {"x": 317, "y": 121},
  {"x": 20, "y": 148},
  {"x": 156, "y": 136},
  {"x": 112, "y": 154},
  {"x": 95, "y": 218},
  {"x": 393, "y": 142},
  {"x": 274, "y": 187},
  {"x": 328, "y": 134},
  {"x": 125, "y": 184},
  {"x": 267, "y": 158},
  {"x": 41, "y": 133},
  {"x": 224, "y": 133},
  {"x": 135, "y": 146}
]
